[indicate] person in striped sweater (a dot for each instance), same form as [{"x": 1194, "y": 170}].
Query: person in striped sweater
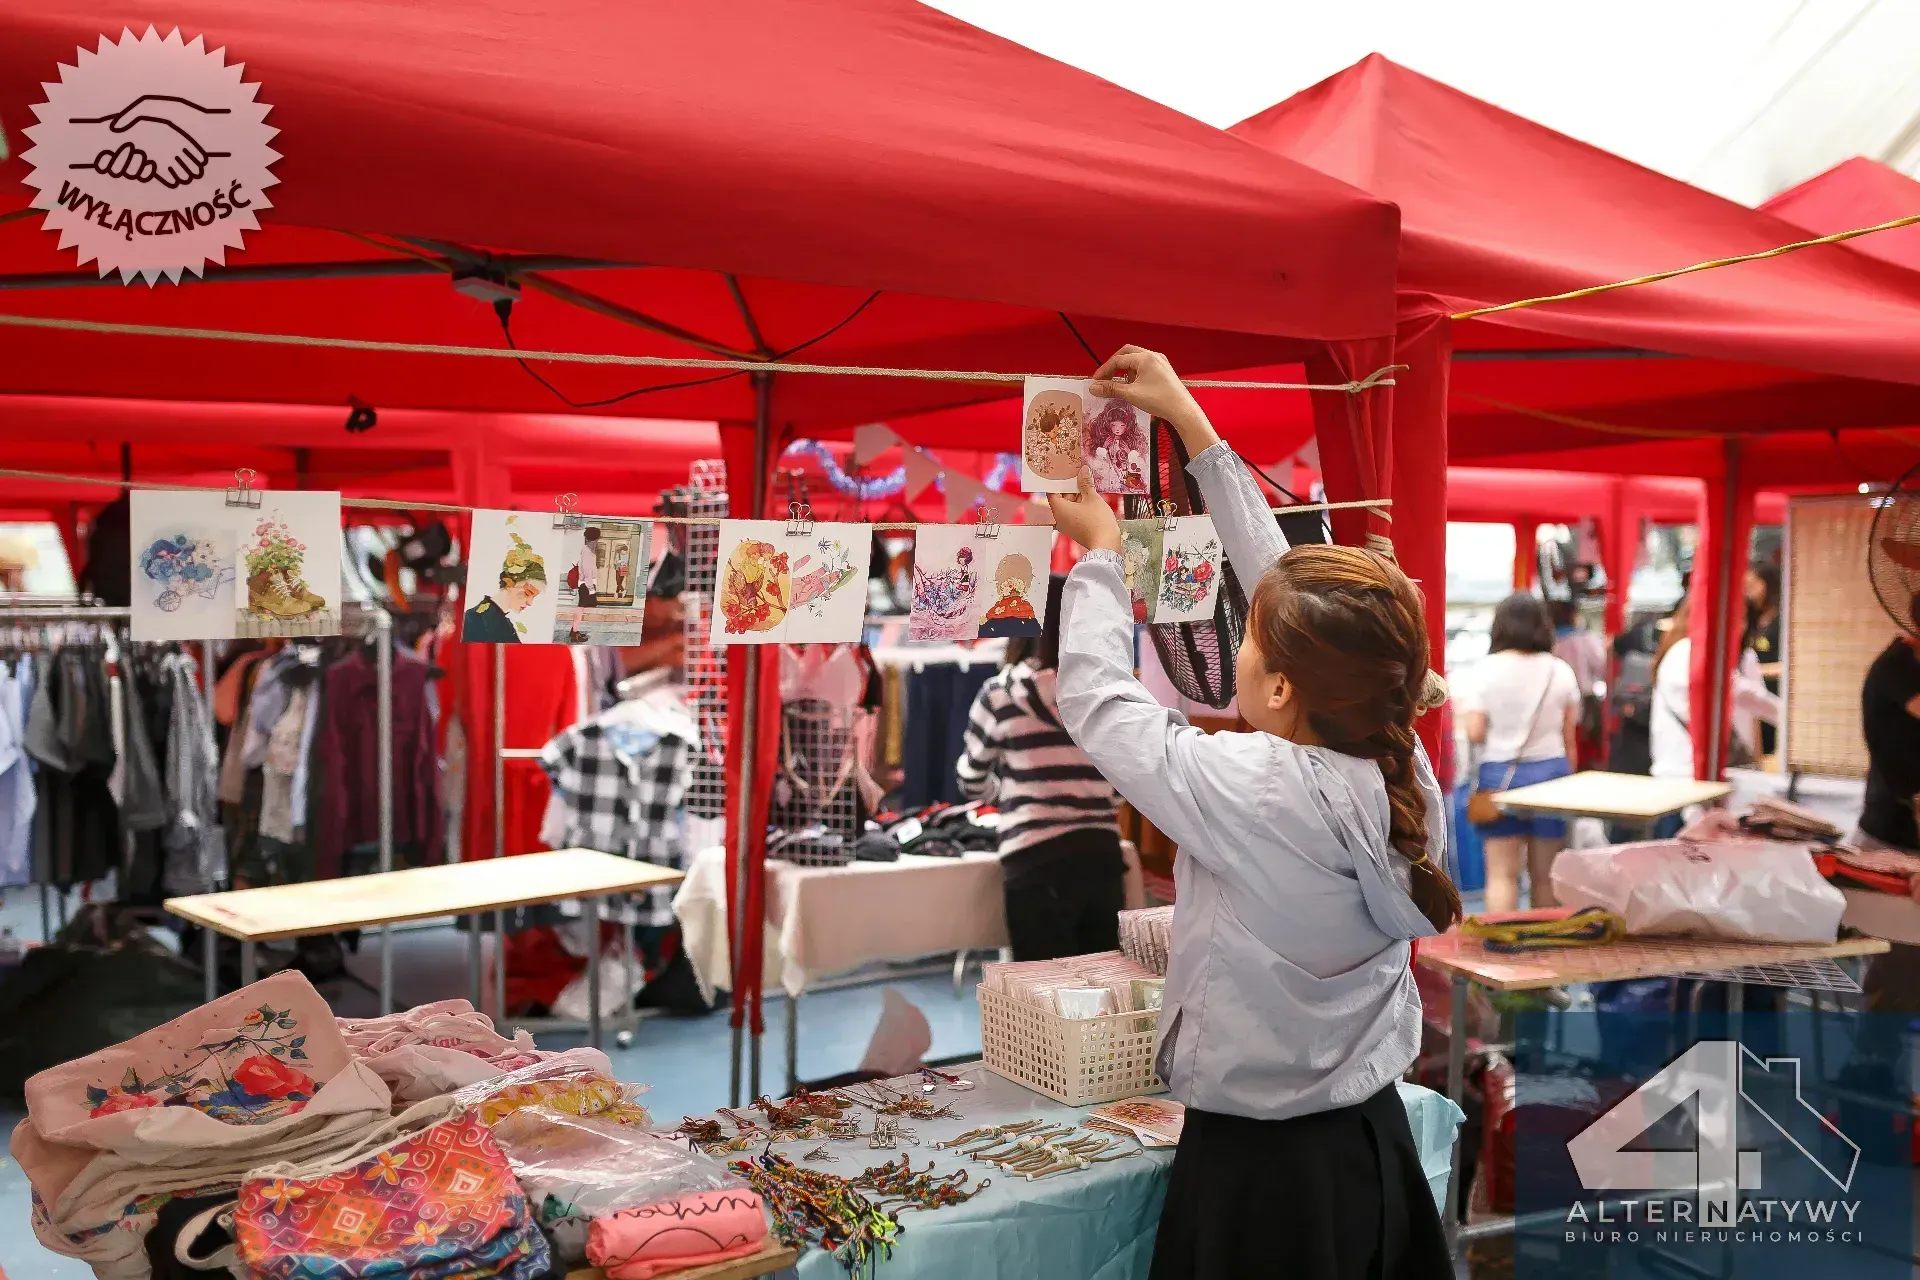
[{"x": 1059, "y": 833}]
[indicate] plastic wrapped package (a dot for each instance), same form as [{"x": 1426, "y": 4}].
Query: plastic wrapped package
[
  {"x": 579, "y": 1082},
  {"x": 1741, "y": 890},
  {"x": 579, "y": 1168}
]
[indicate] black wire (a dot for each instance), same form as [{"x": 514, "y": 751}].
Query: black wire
[
  {"x": 1275, "y": 483},
  {"x": 503, "y": 308},
  {"x": 1077, "y": 337}
]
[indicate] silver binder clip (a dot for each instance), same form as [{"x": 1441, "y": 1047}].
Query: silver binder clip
[
  {"x": 1169, "y": 515},
  {"x": 565, "y": 511},
  {"x": 243, "y": 494},
  {"x": 987, "y": 523},
  {"x": 799, "y": 519}
]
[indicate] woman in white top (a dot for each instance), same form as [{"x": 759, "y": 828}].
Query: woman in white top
[
  {"x": 1311, "y": 854},
  {"x": 1523, "y": 711}
]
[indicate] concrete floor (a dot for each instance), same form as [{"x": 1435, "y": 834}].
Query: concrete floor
[{"x": 685, "y": 1060}]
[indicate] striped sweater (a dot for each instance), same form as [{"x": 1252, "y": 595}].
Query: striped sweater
[{"x": 1019, "y": 756}]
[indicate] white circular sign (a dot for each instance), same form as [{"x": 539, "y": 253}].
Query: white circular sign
[{"x": 150, "y": 156}]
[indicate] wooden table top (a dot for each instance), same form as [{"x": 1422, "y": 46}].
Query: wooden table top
[
  {"x": 419, "y": 893},
  {"x": 1624, "y": 797},
  {"x": 1454, "y": 954}
]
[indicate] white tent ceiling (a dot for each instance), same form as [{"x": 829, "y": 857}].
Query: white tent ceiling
[{"x": 1742, "y": 97}]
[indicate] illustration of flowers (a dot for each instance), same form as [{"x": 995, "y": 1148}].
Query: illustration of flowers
[
  {"x": 943, "y": 601},
  {"x": 1186, "y": 575},
  {"x": 815, "y": 580},
  {"x": 243, "y": 1077},
  {"x": 185, "y": 566},
  {"x": 757, "y": 589},
  {"x": 275, "y": 565}
]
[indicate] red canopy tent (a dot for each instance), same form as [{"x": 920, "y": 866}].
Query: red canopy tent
[
  {"x": 1857, "y": 193},
  {"x": 868, "y": 181},
  {"x": 1496, "y": 208}
]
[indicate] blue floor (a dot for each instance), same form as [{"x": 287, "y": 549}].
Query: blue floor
[{"x": 684, "y": 1060}]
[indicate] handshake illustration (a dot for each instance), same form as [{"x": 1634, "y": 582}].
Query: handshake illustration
[{"x": 154, "y": 141}]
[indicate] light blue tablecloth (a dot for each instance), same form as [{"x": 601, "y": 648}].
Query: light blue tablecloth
[{"x": 1096, "y": 1224}]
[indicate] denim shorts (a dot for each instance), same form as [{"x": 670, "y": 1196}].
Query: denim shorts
[{"x": 1494, "y": 772}]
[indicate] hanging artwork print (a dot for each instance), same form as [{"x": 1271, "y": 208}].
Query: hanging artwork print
[
  {"x": 1052, "y": 440},
  {"x": 793, "y": 586},
  {"x": 1116, "y": 445},
  {"x": 513, "y": 579},
  {"x": 1065, "y": 426},
  {"x": 207, "y": 570},
  {"x": 1140, "y": 550},
  {"x": 1189, "y": 571},
  {"x": 605, "y": 581},
  {"x": 1015, "y": 578},
  {"x": 947, "y": 589}
]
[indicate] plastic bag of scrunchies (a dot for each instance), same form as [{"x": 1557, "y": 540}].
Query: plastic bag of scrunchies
[{"x": 579, "y": 1082}]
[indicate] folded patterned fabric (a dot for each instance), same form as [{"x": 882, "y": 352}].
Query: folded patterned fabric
[
  {"x": 693, "y": 1230},
  {"x": 428, "y": 1196},
  {"x": 437, "y": 1048},
  {"x": 185, "y": 1110}
]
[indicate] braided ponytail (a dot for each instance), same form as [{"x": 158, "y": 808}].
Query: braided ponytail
[{"x": 1348, "y": 630}]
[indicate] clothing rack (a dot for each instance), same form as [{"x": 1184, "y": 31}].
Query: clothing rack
[{"x": 40, "y": 610}]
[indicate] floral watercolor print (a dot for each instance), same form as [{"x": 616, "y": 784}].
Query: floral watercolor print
[
  {"x": 515, "y": 576},
  {"x": 604, "y": 575},
  {"x": 1189, "y": 571},
  {"x": 1052, "y": 439},
  {"x": 1116, "y": 445},
  {"x": 249, "y": 1074},
  {"x": 290, "y": 570},
  {"x": 1140, "y": 550},
  {"x": 829, "y": 601},
  {"x": 754, "y": 592},
  {"x": 183, "y": 570},
  {"x": 946, "y": 583},
  {"x": 1015, "y": 579}
]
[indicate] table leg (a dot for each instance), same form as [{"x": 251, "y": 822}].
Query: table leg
[
  {"x": 793, "y": 1044},
  {"x": 1456, "y": 1090},
  {"x": 386, "y": 969},
  {"x": 590, "y": 912},
  {"x": 474, "y": 963},
  {"x": 959, "y": 972},
  {"x": 249, "y": 964},
  {"x": 500, "y": 967},
  {"x": 210, "y": 961}
]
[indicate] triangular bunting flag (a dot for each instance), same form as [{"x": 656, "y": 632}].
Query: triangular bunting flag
[
  {"x": 1309, "y": 455},
  {"x": 870, "y": 441},
  {"x": 1039, "y": 513},
  {"x": 922, "y": 467},
  {"x": 962, "y": 493}
]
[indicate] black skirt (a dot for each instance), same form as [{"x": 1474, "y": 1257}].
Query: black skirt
[{"x": 1334, "y": 1196}]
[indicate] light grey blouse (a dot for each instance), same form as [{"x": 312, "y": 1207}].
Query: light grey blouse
[{"x": 1290, "y": 989}]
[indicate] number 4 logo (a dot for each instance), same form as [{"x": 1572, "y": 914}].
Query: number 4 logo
[{"x": 1715, "y": 1073}]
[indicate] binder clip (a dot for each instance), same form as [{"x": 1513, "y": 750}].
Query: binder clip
[
  {"x": 1169, "y": 515},
  {"x": 566, "y": 514},
  {"x": 986, "y": 524},
  {"x": 799, "y": 519},
  {"x": 243, "y": 494}
]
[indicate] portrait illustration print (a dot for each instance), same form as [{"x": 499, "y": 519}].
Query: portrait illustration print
[
  {"x": 207, "y": 569},
  {"x": 512, "y": 574},
  {"x": 1015, "y": 589},
  {"x": 606, "y": 568},
  {"x": 946, "y": 583}
]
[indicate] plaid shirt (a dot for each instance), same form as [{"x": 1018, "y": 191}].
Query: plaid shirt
[{"x": 624, "y": 790}]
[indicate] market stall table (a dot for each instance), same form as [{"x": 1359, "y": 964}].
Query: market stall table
[
  {"x": 1630, "y": 799},
  {"x": 826, "y": 921},
  {"x": 419, "y": 893},
  {"x": 775, "y": 1257},
  {"x": 1094, "y": 1222},
  {"x": 1466, "y": 960}
]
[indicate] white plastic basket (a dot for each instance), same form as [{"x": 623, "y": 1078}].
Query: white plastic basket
[{"x": 1075, "y": 1061}]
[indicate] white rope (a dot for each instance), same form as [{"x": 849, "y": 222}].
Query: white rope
[
  {"x": 1378, "y": 378},
  {"x": 1379, "y": 506}
]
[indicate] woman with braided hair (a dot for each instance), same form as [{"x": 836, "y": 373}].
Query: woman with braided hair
[{"x": 1310, "y": 859}]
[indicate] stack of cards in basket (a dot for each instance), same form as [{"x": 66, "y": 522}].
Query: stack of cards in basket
[
  {"x": 1146, "y": 936},
  {"x": 1041, "y": 982}
]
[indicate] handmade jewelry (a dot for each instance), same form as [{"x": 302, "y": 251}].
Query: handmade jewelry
[
  {"x": 958, "y": 1084},
  {"x": 821, "y": 1155},
  {"x": 700, "y": 1130},
  {"x": 898, "y": 1183},
  {"x": 810, "y": 1207},
  {"x": 989, "y": 1131},
  {"x": 888, "y": 1134}
]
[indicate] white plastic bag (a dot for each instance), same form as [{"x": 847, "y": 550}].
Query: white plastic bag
[{"x": 1743, "y": 890}]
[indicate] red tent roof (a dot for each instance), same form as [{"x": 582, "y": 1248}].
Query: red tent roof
[
  {"x": 818, "y": 152},
  {"x": 1857, "y": 193},
  {"x": 1495, "y": 208}
]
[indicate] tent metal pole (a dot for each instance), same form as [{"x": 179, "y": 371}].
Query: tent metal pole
[
  {"x": 1722, "y": 611},
  {"x": 272, "y": 271},
  {"x": 383, "y": 707},
  {"x": 500, "y": 828},
  {"x": 749, "y": 710}
]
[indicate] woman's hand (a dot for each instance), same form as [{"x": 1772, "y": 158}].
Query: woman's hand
[
  {"x": 1085, "y": 516},
  {"x": 1145, "y": 380}
]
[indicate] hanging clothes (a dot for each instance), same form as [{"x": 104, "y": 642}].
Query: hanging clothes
[
  {"x": 17, "y": 801},
  {"x": 346, "y": 750},
  {"x": 939, "y": 701},
  {"x": 196, "y": 851},
  {"x": 76, "y": 823}
]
